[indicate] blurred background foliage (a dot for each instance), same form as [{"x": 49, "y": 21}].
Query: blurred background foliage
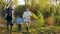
[{"x": 43, "y": 12}]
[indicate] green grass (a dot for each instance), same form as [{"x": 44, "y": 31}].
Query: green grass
[
  {"x": 35, "y": 28},
  {"x": 35, "y": 31}
]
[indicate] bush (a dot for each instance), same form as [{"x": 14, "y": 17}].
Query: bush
[
  {"x": 57, "y": 19},
  {"x": 19, "y": 10}
]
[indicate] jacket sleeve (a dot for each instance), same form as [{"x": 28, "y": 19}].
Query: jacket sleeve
[{"x": 5, "y": 13}]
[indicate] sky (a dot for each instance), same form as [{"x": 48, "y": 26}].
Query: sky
[{"x": 21, "y": 2}]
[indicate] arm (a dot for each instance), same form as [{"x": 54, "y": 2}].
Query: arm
[
  {"x": 30, "y": 14},
  {"x": 23, "y": 15},
  {"x": 6, "y": 13}
]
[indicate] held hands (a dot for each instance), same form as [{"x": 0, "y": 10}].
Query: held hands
[{"x": 6, "y": 15}]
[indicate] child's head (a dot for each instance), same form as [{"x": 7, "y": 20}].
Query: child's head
[{"x": 27, "y": 9}]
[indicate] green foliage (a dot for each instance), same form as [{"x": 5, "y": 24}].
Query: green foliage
[
  {"x": 40, "y": 18},
  {"x": 39, "y": 22},
  {"x": 58, "y": 10},
  {"x": 57, "y": 15},
  {"x": 19, "y": 10},
  {"x": 34, "y": 16},
  {"x": 34, "y": 8},
  {"x": 57, "y": 19},
  {"x": 2, "y": 4},
  {"x": 15, "y": 2}
]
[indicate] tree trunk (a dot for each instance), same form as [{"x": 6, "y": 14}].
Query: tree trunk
[{"x": 25, "y": 3}]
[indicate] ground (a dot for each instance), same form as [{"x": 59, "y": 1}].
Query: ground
[{"x": 32, "y": 30}]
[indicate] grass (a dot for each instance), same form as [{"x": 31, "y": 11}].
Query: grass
[{"x": 34, "y": 29}]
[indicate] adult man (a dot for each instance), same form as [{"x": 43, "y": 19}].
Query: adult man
[{"x": 26, "y": 17}]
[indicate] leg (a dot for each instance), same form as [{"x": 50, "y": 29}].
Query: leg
[
  {"x": 7, "y": 25},
  {"x": 11, "y": 25},
  {"x": 27, "y": 26},
  {"x": 19, "y": 27},
  {"x": 28, "y": 23},
  {"x": 11, "y": 30}
]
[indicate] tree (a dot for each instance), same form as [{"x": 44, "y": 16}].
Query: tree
[
  {"x": 42, "y": 6},
  {"x": 2, "y": 6},
  {"x": 19, "y": 10},
  {"x": 15, "y": 2}
]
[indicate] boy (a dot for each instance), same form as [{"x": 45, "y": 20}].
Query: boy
[
  {"x": 19, "y": 22},
  {"x": 26, "y": 17}
]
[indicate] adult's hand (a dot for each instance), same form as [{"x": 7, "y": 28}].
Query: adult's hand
[{"x": 6, "y": 15}]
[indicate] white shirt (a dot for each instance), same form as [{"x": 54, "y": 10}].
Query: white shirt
[{"x": 27, "y": 15}]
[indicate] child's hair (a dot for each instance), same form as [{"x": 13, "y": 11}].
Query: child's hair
[{"x": 19, "y": 16}]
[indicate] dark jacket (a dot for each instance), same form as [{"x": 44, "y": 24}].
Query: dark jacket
[{"x": 9, "y": 12}]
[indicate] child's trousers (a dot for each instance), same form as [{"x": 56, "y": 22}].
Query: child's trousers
[{"x": 19, "y": 27}]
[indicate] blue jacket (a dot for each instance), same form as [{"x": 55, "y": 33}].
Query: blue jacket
[{"x": 19, "y": 20}]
